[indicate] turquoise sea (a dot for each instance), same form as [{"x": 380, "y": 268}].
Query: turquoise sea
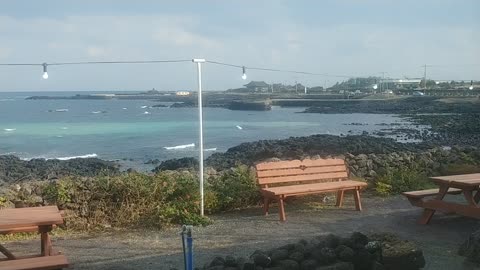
[{"x": 132, "y": 132}]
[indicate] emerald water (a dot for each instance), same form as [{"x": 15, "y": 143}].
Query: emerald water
[{"x": 133, "y": 132}]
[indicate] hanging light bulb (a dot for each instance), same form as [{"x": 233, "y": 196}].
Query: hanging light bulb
[
  {"x": 471, "y": 85},
  {"x": 45, "y": 73},
  {"x": 375, "y": 86},
  {"x": 244, "y": 76}
]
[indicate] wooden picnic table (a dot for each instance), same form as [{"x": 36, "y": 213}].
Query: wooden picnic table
[
  {"x": 466, "y": 184},
  {"x": 40, "y": 219}
]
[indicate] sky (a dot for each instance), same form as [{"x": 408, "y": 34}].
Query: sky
[{"x": 350, "y": 38}]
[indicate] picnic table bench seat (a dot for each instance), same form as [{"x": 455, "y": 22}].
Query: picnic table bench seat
[
  {"x": 466, "y": 184},
  {"x": 282, "y": 179},
  {"x": 429, "y": 192},
  {"x": 35, "y": 263}
]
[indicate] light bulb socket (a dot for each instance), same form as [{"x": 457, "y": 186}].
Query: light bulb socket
[
  {"x": 44, "y": 67},
  {"x": 243, "y": 70}
]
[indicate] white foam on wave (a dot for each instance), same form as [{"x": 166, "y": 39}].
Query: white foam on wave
[
  {"x": 9, "y": 129},
  {"x": 239, "y": 127},
  {"x": 7, "y": 99},
  {"x": 61, "y": 110},
  {"x": 210, "y": 149},
  {"x": 179, "y": 146},
  {"x": 95, "y": 112},
  {"x": 64, "y": 128},
  {"x": 124, "y": 108},
  {"x": 62, "y": 158},
  {"x": 146, "y": 112},
  {"x": 143, "y": 107}
]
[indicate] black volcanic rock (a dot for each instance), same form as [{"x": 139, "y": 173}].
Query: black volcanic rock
[
  {"x": 13, "y": 169},
  {"x": 175, "y": 164}
]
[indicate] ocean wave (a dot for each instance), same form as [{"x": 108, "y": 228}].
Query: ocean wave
[
  {"x": 146, "y": 112},
  {"x": 97, "y": 112},
  {"x": 64, "y": 128},
  {"x": 179, "y": 146},
  {"x": 239, "y": 127},
  {"x": 7, "y": 99},
  {"x": 143, "y": 107},
  {"x": 210, "y": 149},
  {"x": 9, "y": 129},
  {"x": 62, "y": 158},
  {"x": 58, "y": 110}
]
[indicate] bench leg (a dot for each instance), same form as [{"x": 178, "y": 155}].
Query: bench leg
[
  {"x": 46, "y": 243},
  {"x": 281, "y": 210},
  {"x": 428, "y": 213},
  {"x": 426, "y": 216},
  {"x": 340, "y": 194},
  {"x": 358, "y": 202},
  {"x": 7, "y": 253},
  {"x": 266, "y": 205}
]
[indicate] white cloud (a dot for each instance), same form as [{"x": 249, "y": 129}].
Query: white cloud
[
  {"x": 280, "y": 42},
  {"x": 94, "y": 51}
]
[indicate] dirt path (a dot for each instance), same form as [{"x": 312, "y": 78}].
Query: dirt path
[{"x": 241, "y": 232}]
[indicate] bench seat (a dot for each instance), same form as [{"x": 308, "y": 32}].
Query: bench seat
[
  {"x": 313, "y": 188},
  {"x": 281, "y": 179},
  {"x": 419, "y": 194},
  {"x": 36, "y": 263}
]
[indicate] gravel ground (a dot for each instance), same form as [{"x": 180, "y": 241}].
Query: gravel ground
[{"x": 241, "y": 232}]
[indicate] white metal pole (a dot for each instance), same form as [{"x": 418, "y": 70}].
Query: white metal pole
[{"x": 200, "y": 124}]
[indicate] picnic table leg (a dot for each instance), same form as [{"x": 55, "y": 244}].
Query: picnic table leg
[
  {"x": 266, "y": 205},
  {"x": 46, "y": 243},
  {"x": 428, "y": 213},
  {"x": 7, "y": 253},
  {"x": 469, "y": 197},
  {"x": 281, "y": 209},
  {"x": 358, "y": 203},
  {"x": 340, "y": 194},
  {"x": 477, "y": 196}
]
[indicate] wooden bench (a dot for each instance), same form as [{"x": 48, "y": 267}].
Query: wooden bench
[
  {"x": 416, "y": 197},
  {"x": 282, "y": 179},
  {"x": 35, "y": 263}
]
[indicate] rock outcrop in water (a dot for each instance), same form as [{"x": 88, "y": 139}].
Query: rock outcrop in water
[{"x": 13, "y": 169}]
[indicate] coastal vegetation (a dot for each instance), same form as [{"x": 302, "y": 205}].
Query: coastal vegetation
[{"x": 97, "y": 194}]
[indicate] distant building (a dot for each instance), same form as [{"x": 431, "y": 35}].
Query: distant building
[
  {"x": 257, "y": 86},
  {"x": 404, "y": 83},
  {"x": 182, "y": 93}
]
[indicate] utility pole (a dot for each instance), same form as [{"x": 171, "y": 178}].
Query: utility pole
[
  {"x": 382, "y": 87},
  {"x": 424, "y": 78}
]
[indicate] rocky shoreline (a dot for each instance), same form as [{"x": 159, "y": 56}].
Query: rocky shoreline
[{"x": 451, "y": 138}]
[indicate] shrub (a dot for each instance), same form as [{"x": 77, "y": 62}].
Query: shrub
[
  {"x": 236, "y": 188},
  {"x": 400, "y": 180},
  {"x": 126, "y": 200},
  {"x": 453, "y": 169},
  {"x": 136, "y": 199}
]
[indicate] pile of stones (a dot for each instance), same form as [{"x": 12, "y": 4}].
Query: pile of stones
[{"x": 330, "y": 252}]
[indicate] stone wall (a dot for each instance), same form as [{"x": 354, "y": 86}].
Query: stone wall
[{"x": 432, "y": 161}]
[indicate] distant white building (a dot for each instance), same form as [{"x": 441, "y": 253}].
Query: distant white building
[
  {"x": 183, "y": 93},
  {"x": 401, "y": 83}
]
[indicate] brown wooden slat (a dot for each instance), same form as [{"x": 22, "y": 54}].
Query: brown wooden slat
[
  {"x": 460, "y": 177},
  {"x": 297, "y": 163},
  {"x": 301, "y": 178},
  {"x": 298, "y": 171},
  {"x": 429, "y": 192},
  {"x": 37, "y": 263},
  {"x": 29, "y": 217},
  {"x": 312, "y": 188}
]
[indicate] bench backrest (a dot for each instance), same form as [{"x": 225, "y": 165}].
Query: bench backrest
[{"x": 301, "y": 171}]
